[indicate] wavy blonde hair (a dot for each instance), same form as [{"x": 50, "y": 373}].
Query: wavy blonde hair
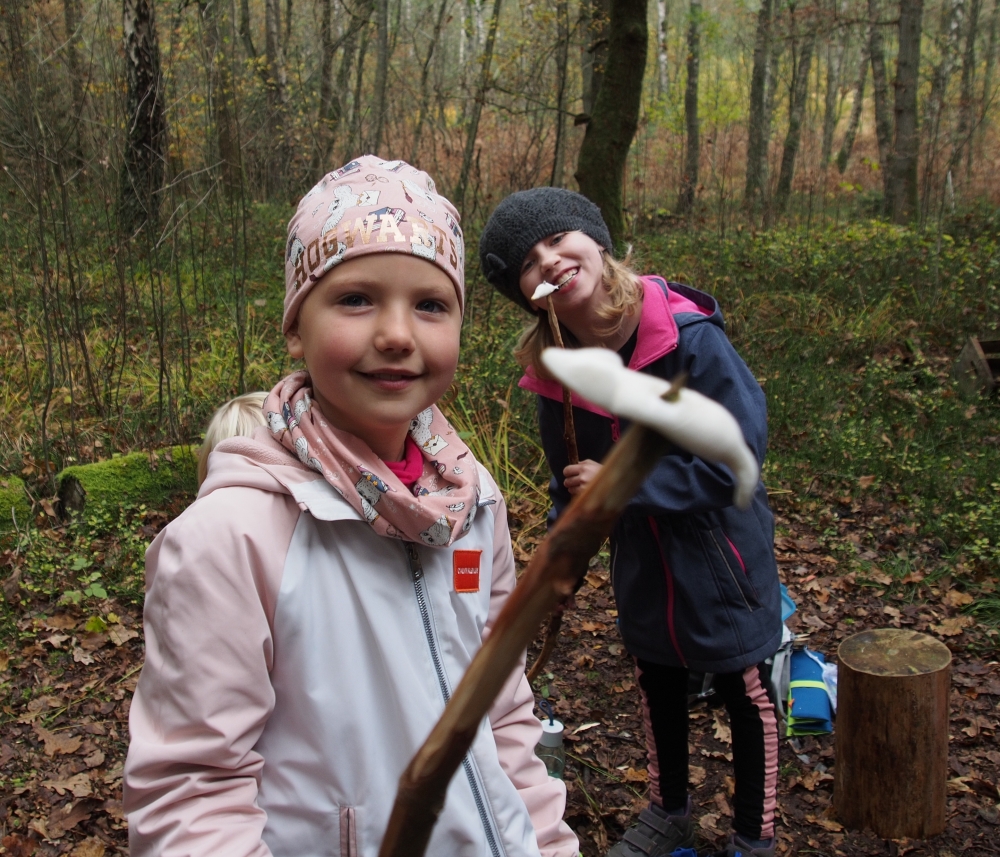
[
  {"x": 237, "y": 418},
  {"x": 624, "y": 298}
]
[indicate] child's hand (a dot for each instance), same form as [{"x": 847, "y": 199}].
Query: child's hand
[{"x": 579, "y": 476}]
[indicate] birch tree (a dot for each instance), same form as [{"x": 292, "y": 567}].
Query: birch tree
[{"x": 146, "y": 125}]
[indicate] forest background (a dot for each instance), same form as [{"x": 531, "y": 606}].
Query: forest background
[{"x": 828, "y": 170}]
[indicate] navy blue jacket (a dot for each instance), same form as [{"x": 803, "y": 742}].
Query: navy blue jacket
[{"x": 695, "y": 578}]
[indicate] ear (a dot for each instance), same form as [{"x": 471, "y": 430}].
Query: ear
[{"x": 293, "y": 342}]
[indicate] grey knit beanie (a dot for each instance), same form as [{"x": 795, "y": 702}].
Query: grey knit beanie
[{"x": 525, "y": 218}]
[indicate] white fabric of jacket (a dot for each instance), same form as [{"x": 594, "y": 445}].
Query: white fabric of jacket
[{"x": 295, "y": 662}]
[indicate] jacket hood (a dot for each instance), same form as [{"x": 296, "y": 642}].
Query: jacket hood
[
  {"x": 255, "y": 462},
  {"x": 666, "y": 307}
]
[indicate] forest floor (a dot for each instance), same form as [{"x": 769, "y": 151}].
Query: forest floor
[{"x": 67, "y": 691}]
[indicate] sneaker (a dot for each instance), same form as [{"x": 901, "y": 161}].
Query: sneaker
[
  {"x": 738, "y": 848},
  {"x": 656, "y": 834}
]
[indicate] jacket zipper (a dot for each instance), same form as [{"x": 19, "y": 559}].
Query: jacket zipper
[
  {"x": 670, "y": 592},
  {"x": 732, "y": 573},
  {"x": 417, "y": 572}
]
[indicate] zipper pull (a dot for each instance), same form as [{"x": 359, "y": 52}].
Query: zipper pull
[{"x": 416, "y": 569}]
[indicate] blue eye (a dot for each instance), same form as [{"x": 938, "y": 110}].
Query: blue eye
[
  {"x": 431, "y": 306},
  {"x": 354, "y": 301}
]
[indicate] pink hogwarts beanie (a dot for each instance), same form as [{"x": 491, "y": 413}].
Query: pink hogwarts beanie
[{"x": 370, "y": 206}]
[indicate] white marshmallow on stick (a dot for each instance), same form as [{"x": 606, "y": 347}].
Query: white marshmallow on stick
[
  {"x": 692, "y": 421},
  {"x": 543, "y": 291}
]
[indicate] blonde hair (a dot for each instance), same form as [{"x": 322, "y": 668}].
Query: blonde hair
[
  {"x": 624, "y": 298},
  {"x": 237, "y": 418}
]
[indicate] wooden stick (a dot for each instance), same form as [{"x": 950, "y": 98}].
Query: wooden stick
[
  {"x": 569, "y": 426},
  {"x": 552, "y": 575}
]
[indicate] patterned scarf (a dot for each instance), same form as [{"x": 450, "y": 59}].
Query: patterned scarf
[{"x": 442, "y": 504}]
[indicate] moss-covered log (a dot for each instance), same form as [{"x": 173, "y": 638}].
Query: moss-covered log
[
  {"x": 14, "y": 506},
  {"x": 140, "y": 477}
]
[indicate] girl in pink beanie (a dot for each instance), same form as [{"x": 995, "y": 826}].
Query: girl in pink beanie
[{"x": 308, "y": 617}]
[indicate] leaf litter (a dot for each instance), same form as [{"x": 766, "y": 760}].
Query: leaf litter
[{"x": 67, "y": 688}]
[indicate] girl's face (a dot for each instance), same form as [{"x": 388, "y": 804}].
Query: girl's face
[
  {"x": 379, "y": 335},
  {"x": 570, "y": 260}
]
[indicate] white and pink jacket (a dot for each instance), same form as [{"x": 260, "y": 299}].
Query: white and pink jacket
[{"x": 295, "y": 661}]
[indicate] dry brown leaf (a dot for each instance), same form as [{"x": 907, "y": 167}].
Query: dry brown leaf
[
  {"x": 596, "y": 579},
  {"x": 120, "y": 635},
  {"x": 16, "y": 845},
  {"x": 60, "y": 622},
  {"x": 953, "y": 626},
  {"x": 866, "y": 481},
  {"x": 634, "y": 776},
  {"x": 880, "y": 577},
  {"x": 81, "y": 657},
  {"x": 79, "y": 785},
  {"x": 56, "y": 640},
  {"x": 593, "y": 627},
  {"x": 4, "y": 660},
  {"x": 66, "y": 818},
  {"x": 95, "y": 759},
  {"x": 90, "y": 847},
  {"x": 721, "y": 729},
  {"x": 957, "y": 598},
  {"x": 696, "y": 775},
  {"x": 709, "y": 821},
  {"x": 58, "y": 742},
  {"x": 810, "y": 780}
]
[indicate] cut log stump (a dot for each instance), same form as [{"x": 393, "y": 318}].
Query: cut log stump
[{"x": 892, "y": 733}]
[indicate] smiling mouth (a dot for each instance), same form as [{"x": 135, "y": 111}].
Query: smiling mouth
[
  {"x": 566, "y": 278},
  {"x": 390, "y": 376}
]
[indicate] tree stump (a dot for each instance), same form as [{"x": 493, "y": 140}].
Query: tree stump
[{"x": 892, "y": 733}]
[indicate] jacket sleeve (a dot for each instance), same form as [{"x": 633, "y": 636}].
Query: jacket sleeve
[
  {"x": 192, "y": 775},
  {"x": 682, "y": 482},
  {"x": 516, "y": 730}
]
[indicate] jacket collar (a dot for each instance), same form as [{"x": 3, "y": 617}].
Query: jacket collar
[{"x": 657, "y": 335}]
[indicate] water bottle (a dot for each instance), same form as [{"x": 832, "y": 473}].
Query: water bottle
[{"x": 550, "y": 749}]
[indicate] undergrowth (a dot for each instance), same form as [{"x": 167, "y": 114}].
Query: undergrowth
[{"x": 852, "y": 330}]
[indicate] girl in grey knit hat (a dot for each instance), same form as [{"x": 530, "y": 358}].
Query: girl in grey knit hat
[{"x": 695, "y": 578}]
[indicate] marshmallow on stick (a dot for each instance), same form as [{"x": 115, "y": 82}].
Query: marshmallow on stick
[{"x": 687, "y": 418}]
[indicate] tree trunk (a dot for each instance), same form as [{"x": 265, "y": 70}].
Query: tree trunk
[
  {"x": 425, "y": 94},
  {"x": 562, "y": 69},
  {"x": 662, "y": 67},
  {"x": 689, "y": 180},
  {"x": 146, "y": 124},
  {"x": 963, "y": 130},
  {"x": 221, "y": 105},
  {"x": 834, "y": 64},
  {"x": 276, "y": 87},
  {"x": 245, "y": 35},
  {"x": 990, "y": 60},
  {"x": 796, "y": 112},
  {"x": 891, "y": 773},
  {"x": 756, "y": 137},
  {"x": 859, "y": 99},
  {"x": 329, "y": 116},
  {"x": 903, "y": 197},
  {"x": 880, "y": 86},
  {"x": 951, "y": 21},
  {"x": 477, "y": 108},
  {"x": 381, "y": 71},
  {"x": 609, "y": 134},
  {"x": 596, "y": 16},
  {"x": 73, "y": 17},
  {"x": 357, "y": 113}
]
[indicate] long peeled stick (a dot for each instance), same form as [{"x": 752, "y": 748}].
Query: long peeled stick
[
  {"x": 569, "y": 425},
  {"x": 552, "y": 574},
  {"x": 552, "y": 627},
  {"x": 558, "y": 564}
]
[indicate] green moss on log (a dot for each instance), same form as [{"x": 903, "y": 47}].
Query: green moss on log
[
  {"x": 13, "y": 503},
  {"x": 138, "y": 478}
]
